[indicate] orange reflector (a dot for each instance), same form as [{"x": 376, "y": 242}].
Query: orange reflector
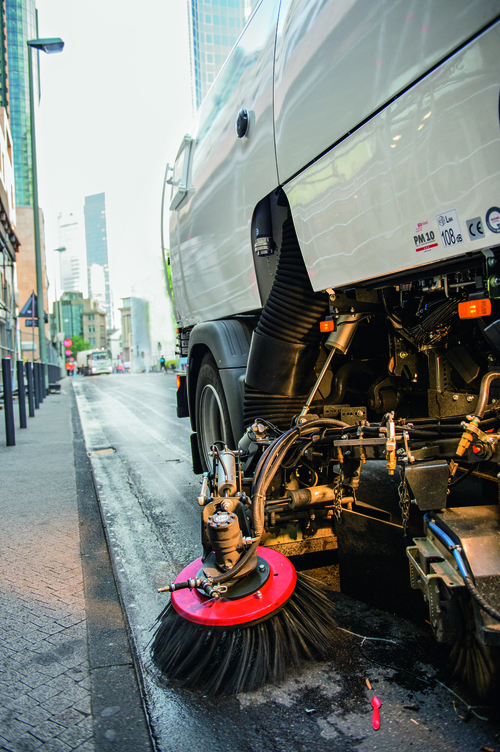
[
  {"x": 327, "y": 326},
  {"x": 474, "y": 309},
  {"x": 178, "y": 381}
]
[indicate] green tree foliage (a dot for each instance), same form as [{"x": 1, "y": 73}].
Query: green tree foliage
[{"x": 78, "y": 345}]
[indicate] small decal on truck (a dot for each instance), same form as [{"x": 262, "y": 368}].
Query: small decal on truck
[
  {"x": 493, "y": 219},
  {"x": 423, "y": 237},
  {"x": 475, "y": 228},
  {"x": 449, "y": 228}
]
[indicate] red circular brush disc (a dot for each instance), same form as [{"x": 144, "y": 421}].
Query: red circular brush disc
[{"x": 200, "y": 609}]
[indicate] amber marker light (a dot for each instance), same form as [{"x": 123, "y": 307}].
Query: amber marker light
[
  {"x": 178, "y": 381},
  {"x": 474, "y": 309},
  {"x": 327, "y": 326}
]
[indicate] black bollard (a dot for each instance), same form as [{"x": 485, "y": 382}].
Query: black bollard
[
  {"x": 41, "y": 385},
  {"x": 36, "y": 381},
  {"x": 8, "y": 405},
  {"x": 21, "y": 395},
  {"x": 31, "y": 389},
  {"x": 45, "y": 381}
]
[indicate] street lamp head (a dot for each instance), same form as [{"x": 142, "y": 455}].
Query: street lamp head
[{"x": 51, "y": 45}]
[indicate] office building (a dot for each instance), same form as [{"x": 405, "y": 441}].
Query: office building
[
  {"x": 83, "y": 317},
  {"x": 21, "y": 25},
  {"x": 126, "y": 322},
  {"x": 9, "y": 244},
  {"x": 72, "y": 267},
  {"x": 96, "y": 241},
  {"x": 214, "y": 27},
  {"x": 94, "y": 324},
  {"x": 71, "y": 314}
]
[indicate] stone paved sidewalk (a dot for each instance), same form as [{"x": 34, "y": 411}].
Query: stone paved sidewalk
[
  {"x": 67, "y": 677},
  {"x": 44, "y": 667}
]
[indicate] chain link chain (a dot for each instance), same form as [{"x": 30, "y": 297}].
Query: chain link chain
[
  {"x": 404, "y": 500},
  {"x": 337, "y": 499}
]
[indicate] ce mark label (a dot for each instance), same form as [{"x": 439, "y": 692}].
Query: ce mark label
[{"x": 475, "y": 228}]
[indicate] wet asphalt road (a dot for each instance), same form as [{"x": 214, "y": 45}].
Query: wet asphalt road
[{"x": 141, "y": 463}]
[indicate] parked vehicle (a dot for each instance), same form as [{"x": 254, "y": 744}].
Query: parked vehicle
[
  {"x": 335, "y": 262},
  {"x": 94, "y": 362}
]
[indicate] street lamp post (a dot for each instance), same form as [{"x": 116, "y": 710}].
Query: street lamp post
[
  {"x": 57, "y": 303},
  {"x": 50, "y": 46}
]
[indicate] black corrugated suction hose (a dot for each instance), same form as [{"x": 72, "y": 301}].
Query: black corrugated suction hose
[
  {"x": 292, "y": 310},
  {"x": 291, "y": 314}
]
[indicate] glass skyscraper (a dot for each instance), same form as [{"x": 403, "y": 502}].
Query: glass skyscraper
[
  {"x": 96, "y": 241},
  {"x": 21, "y": 25},
  {"x": 215, "y": 25}
]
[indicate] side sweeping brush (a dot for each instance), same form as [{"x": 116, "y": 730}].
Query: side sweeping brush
[
  {"x": 226, "y": 647},
  {"x": 241, "y": 617}
]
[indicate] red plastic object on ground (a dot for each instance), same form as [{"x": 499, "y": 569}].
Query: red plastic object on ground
[
  {"x": 196, "y": 607},
  {"x": 376, "y": 703}
]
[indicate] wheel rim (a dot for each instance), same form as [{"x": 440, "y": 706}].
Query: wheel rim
[{"x": 211, "y": 418}]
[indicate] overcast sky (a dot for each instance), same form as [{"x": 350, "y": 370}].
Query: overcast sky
[{"x": 115, "y": 105}]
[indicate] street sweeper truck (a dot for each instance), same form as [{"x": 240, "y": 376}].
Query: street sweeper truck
[
  {"x": 93, "y": 362},
  {"x": 334, "y": 220}
]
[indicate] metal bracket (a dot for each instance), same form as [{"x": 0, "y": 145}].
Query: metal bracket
[{"x": 426, "y": 578}]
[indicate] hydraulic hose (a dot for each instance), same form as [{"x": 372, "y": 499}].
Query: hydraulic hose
[
  {"x": 484, "y": 392},
  {"x": 269, "y": 464},
  {"x": 456, "y": 551},
  {"x": 207, "y": 583}
]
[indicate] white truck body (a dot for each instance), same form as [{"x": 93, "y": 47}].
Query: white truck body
[
  {"x": 93, "y": 362},
  {"x": 356, "y": 124}
]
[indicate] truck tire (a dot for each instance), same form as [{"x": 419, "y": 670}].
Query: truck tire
[{"x": 212, "y": 415}]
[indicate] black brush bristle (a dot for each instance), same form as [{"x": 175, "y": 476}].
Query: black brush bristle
[{"x": 229, "y": 661}]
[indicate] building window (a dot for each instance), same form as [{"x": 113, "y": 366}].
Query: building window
[{"x": 208, "y": 38}]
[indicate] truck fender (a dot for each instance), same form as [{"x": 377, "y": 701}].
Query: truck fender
[{"x": 229, "y": 343}]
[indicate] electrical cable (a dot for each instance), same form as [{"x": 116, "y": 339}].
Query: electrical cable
[
  {"x": 465, "y": 474},
  {"x": 456, "y": 552}
]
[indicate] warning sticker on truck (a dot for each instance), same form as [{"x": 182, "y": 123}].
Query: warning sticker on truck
[
  {"x": 424, "y": 237},
  {"x": 449, "y": 228}
]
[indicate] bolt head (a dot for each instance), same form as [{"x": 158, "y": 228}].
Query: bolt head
[
  {"x": 470, "y": 398},
  {"x": 455, "y": 398},
  {"x": 258, "y": 594}
]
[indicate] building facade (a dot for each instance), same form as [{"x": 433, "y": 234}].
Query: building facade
[
  {"x": 126, "y": 321},
  {"x": 21, "y": 25},
  {"x": 72, "y": 314},
  {"x": 9, "y": 244},
  {"x": 94, "y": 324},
  {"x": 214, "y": 27},
  {"x": 96, "y": 241},
  {"x": 72, "y": 272}
]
